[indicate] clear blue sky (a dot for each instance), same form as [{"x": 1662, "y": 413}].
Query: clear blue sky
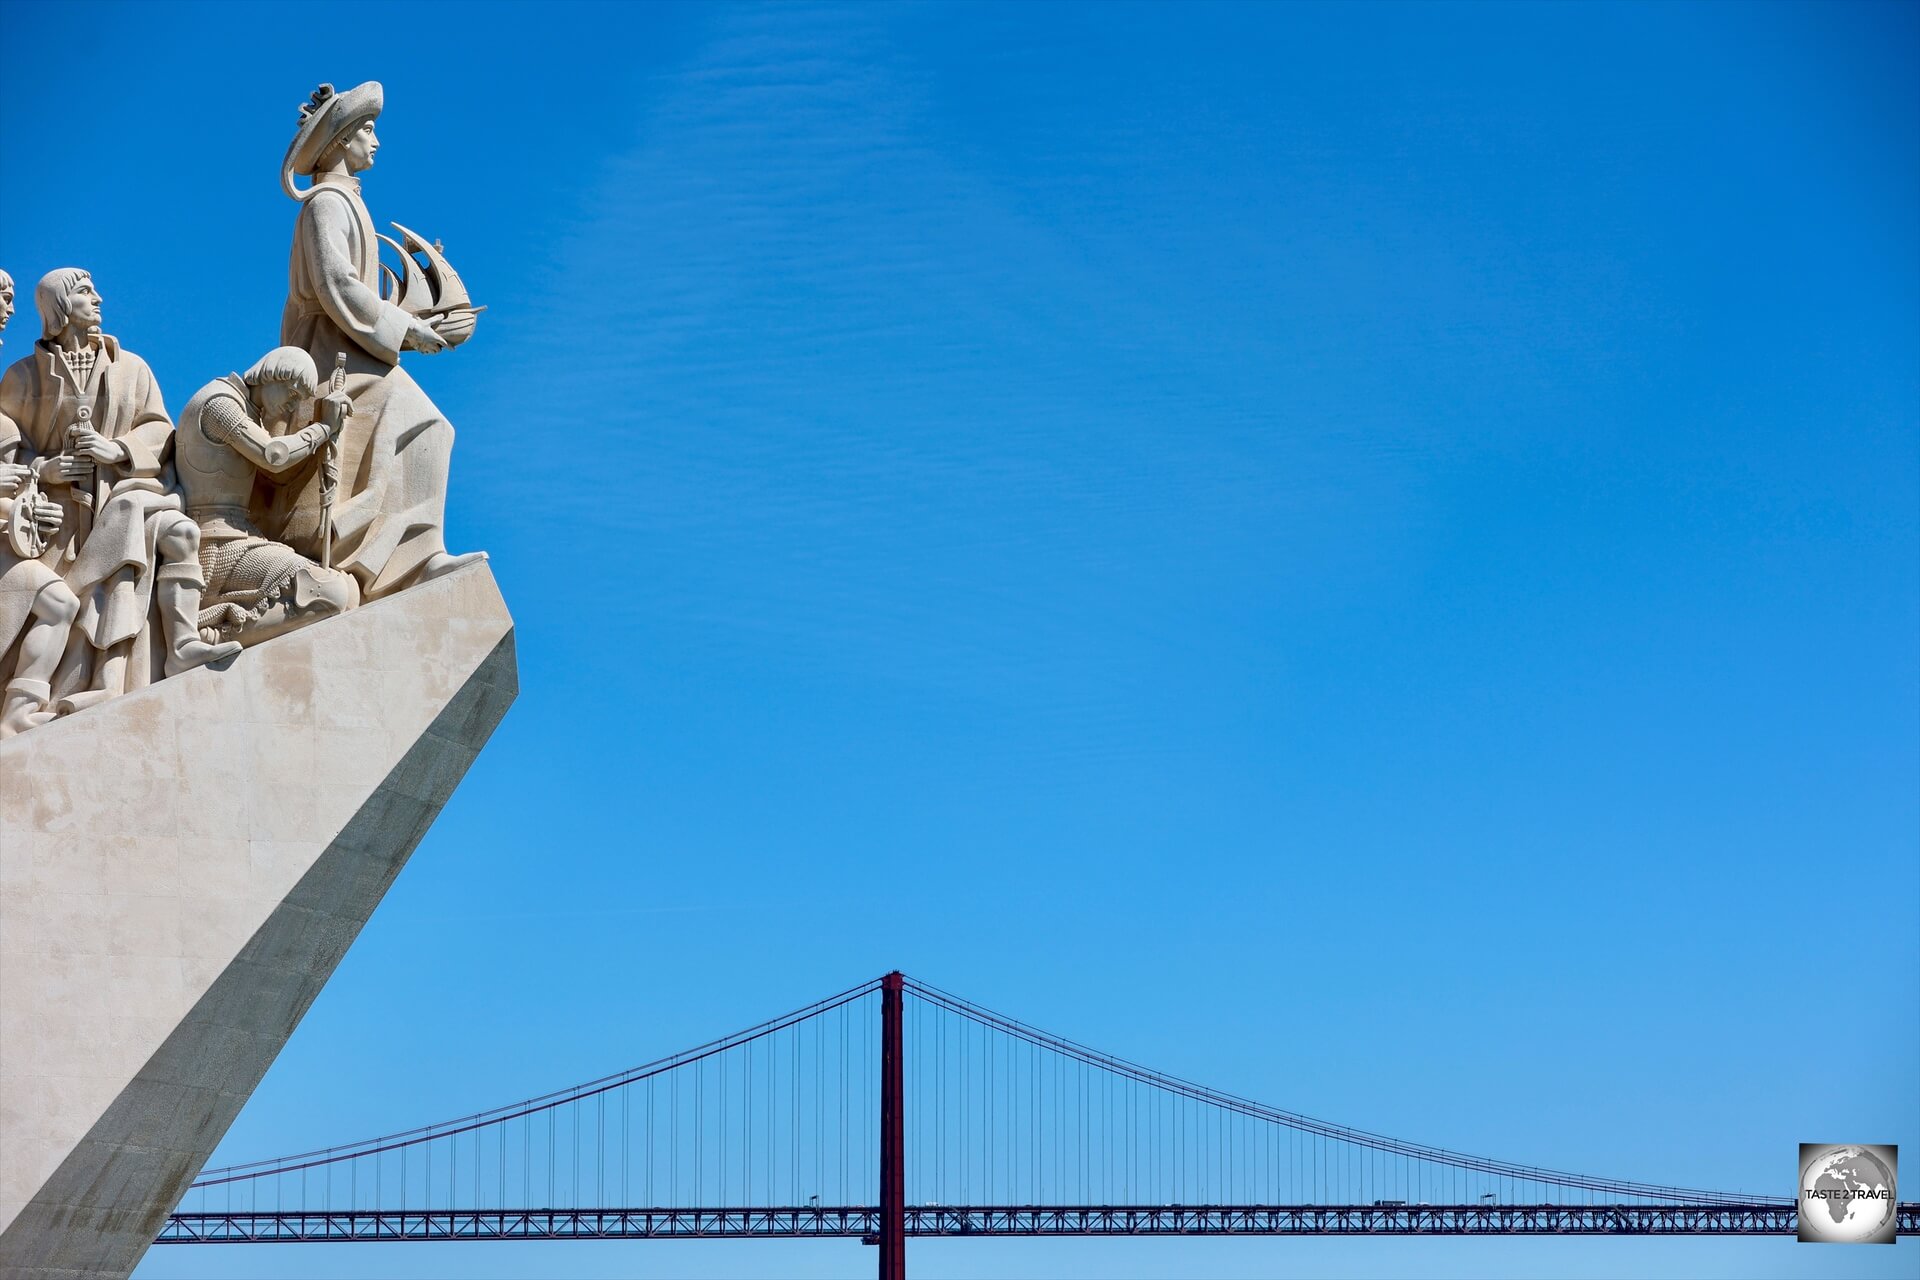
[{"x": 1367, "y": 556}]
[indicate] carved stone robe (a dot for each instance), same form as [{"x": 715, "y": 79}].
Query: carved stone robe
[
  {"x": 21, "y": 581},
  {"x": 39, "y": 396},
  {"x": 389, "y": 513}
]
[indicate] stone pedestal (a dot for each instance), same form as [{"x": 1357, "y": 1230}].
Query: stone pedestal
[{"x": 180, "y": 871}]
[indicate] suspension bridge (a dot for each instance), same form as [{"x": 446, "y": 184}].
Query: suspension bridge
[{"x": 894, "y": 1109}]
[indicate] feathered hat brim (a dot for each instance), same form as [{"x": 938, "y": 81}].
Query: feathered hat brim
[{"x": 331, "y": 120}]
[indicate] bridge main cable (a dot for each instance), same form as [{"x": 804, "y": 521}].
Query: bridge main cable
[
  {"x": 1307, "y": 1124},
  {"x": 962, "y": 1107},
  {"x": 530, "y": 1106}
]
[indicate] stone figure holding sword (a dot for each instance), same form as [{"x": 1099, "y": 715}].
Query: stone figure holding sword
[{"x": 238, "y": 434}]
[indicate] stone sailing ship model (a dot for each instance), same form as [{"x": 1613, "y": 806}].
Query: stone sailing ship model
[{"x": 203, "y": 794}]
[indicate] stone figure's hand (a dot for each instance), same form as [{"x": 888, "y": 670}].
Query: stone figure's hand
[
  {"x": 71, "y": 470},
  {"x": 422, "y": 338},
  {"x": 456, "y": 326},
  {"x": 12, "y": 476},
  {"x": 46, "y": 514},
  {"x": 334, "y": 408},
  {"x": 88, "y": 443}
]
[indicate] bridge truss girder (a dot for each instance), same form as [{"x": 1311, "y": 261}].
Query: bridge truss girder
[{"x": 863, "y": 1222}]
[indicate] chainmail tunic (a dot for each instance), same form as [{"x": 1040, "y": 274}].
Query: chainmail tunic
[
  {"x": 246, "y": 576},
  {"x": 246, "y": 573}
]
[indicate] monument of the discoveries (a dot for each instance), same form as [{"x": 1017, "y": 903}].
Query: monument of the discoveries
[{"x": 241, "y": 673}]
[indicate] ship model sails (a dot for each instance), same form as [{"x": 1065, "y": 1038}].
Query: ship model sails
[{"x": 426, "y": 284}]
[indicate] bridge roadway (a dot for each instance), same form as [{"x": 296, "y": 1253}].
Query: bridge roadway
[{"x": 863, "y": 1222}]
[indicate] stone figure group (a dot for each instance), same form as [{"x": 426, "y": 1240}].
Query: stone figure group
[{"x": 134, "y": 547}]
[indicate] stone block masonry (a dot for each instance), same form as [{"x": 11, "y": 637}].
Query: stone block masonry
[{"x": 181, "y": 869}]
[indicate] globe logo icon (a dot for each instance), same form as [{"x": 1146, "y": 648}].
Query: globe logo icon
[{"x": 1847, "y": 1194}]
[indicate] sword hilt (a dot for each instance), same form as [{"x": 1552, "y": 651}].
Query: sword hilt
[{"x": 82, "y": 493}]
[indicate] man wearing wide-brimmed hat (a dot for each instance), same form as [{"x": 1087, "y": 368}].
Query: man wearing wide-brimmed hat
[{"x": 387, "y": 520}]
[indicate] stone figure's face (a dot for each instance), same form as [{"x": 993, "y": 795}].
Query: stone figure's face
[
  {"x": 359, "y": 146},
  {"x": 6, "y": 302},
  {"x": 279, "y": 404},
  {"x": 83, "y": 306}
]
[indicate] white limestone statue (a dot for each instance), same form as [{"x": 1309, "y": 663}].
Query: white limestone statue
[
  {"x": 90, "y": 422},
  {"x": 239, "y": 432},
  {"x": 385, "y": 525},
  {"x": 182, "y": 868},
  {"x": 36, "y": 607}
]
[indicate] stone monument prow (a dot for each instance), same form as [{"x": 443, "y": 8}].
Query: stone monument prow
[{"x": 161, "y": 938}]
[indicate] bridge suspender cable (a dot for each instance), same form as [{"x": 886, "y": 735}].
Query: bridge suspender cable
[
  {"x": 1307, "y": 1124},
  {"x": 958, "y": 1121}
]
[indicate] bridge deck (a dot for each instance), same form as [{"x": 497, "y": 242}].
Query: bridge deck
[{"x": 862, "y": 1222}]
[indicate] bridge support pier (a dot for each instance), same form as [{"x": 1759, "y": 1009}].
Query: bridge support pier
[{"x": 893, "y": 1131}]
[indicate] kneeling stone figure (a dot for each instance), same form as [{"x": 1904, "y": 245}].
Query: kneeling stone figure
[{"x": 235, "y": 432}]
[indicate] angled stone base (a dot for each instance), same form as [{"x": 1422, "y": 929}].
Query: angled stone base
[{"x": 180, "y": 872}]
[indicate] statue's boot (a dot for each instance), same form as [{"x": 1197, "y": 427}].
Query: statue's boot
[
  {"x": 25, "y": 706},
  {"x": 178, "y": 595},
  {"x": 82, "y": 700},
  {"x": 313, "y": 594},
  {"x": 317, "y": 593}
]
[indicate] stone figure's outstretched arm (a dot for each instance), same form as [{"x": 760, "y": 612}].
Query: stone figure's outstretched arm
[
  {"x": 225, "y": 422},
  {"x": 17, "y": 500},
  {"x": 326, "y": 229}
]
